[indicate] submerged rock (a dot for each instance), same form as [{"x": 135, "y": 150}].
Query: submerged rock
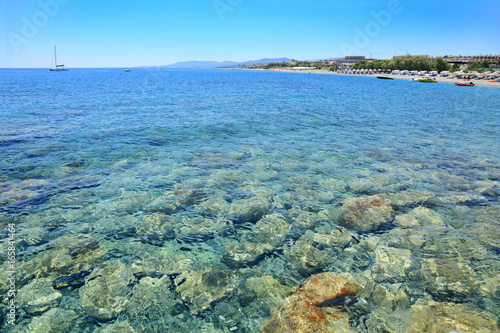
[
  {"x": 128, "y": 202},
  {"x": 410, "y": 197},
  {"x": 214, "y": 207},
  {"x": 334, "y": 184},
  {"x": 152, "y": 297},
  {"x": 176, "y": 200},
  {"x": 390, "y": 297},
  {"x": 154, "y": 224},
  {"x": 190, "y": 228},
  {"x": 118, "y": 327},
  {"x": 273, "y": 229},
  {"x": 456, "y": 182},
  {"x": 450, "y": 279},
  {"x": 16, "y": 195},
  {"x": 14, "y": 192},
  {"x": 435, "y": 317},
  {"x": 74, "y": 280},
  {"x": 68, "y": 254},
  {"x": 38, "y": 296},
  {"x": 312, "y": 307},
  {"x": 268, "y": 291},
  {"x": 107, "y": 291},
  {"x": 201, "y": 288},
  {"x": 333, "y": 238},
  {"x": 306, "y": 219},
  {"x": 397, "y": 265},
  {"x": 307, "y": 257},
  {"x": 366, "y": 213},
  {"x": 249, "y": 210},
  {"x": 214, "y": 161},
  {"x": 54, "y": 321},
  {"x": 34, "y": 183},
  {"x": 419, "y": 216},
  {"x": 63, "y": 256},
  {"x": 245, "y": 254},
  {"x": 458, "y": 198}
]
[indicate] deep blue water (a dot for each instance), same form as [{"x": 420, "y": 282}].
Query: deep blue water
[{"x": 89, "y": 153}]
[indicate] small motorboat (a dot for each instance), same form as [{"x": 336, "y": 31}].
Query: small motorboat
[
  {"x": 128, "y": 70},
  {"x": 384, "y": 78},
  {"x": 464, "y": 84},
  {"x": 428, "y": 80}
]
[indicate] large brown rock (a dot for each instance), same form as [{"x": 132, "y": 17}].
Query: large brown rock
[
  {"x": 366, "y": 213},
  {"x": 311, "y": 309}
]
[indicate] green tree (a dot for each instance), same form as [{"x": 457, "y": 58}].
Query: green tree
[
  {"x": 441, "y": 64},
  {"x": 276, "y": 64},
  {"x": 473, "y": 66},
  {"x": 484, "y": 64},
  {"x": 362, "y": 64}
]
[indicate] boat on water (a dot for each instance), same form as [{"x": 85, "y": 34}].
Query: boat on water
[
  {"x": 385, "y": 78},
  {"x": 465, "y": 84},
  {"x": 428, "y": 80},
  {"x": 58, "y": 68},
  {"x": 128, "y": 70}
]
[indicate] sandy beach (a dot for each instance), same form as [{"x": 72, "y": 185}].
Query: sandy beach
[{"x": 399, "y": 77}]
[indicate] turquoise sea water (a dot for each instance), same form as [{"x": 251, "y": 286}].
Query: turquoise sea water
[{"x": 193, "y": 201}]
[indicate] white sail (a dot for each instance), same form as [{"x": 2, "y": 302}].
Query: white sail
[{"x": 58, "y": 68}]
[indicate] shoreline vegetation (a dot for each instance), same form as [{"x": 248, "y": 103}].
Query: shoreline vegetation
[{"x": 399, "y": 67}]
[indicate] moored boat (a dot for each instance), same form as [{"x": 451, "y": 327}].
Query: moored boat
[
  {"x": 428, "y": 80},
  {"x": 58, "y": 68},
  {"x": 384, "y": 78},
  {"x": 464, "y": 84}
]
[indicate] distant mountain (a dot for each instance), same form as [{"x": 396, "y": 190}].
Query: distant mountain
[
  {"x": 201, "y": 64},
  {"x": 267, "y": 60},
  {"x": 213, "y": 64}
]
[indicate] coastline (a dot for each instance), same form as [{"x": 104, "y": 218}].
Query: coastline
[{"x": 439, "y": 79}]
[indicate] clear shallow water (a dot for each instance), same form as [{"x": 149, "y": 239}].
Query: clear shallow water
[{"x": 146, "y": 182}]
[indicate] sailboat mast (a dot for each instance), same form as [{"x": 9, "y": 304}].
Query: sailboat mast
[{"x": 55, "y": 54}]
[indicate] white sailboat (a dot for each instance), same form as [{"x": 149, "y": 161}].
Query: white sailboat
[{"x": 58, "y": 68}]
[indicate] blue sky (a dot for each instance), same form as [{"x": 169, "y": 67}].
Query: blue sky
[{"x": 126, "y": 33}]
